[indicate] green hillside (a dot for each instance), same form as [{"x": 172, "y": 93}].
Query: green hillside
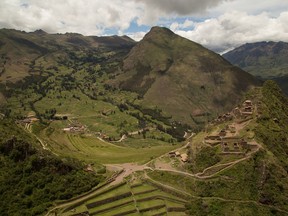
[
  {"x": 234, "y": 179},
  {"x": 181, "y": 77},
  {"x": 74, "y": 143},
  {"x": 32, "y": 179},
  {"x": 19, "y": 51}
]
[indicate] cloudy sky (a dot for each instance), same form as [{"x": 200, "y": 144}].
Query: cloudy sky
[{"x": 217, "y": 24}]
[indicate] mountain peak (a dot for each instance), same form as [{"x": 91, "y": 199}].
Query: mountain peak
[
  {"x": 157, "y": 32},
  {"x": 158, "y": 29},
  {"x": 163, "y": 59},
  {"x": 40, "y": 32}
]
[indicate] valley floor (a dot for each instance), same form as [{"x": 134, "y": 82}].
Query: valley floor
[{"x": 148, "y": 176}]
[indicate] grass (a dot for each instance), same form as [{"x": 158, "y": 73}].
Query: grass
[
  {"x": 115, "y": 192},
  {"x": 173, "y": 204},
  {"x": 109, "y": 205},
  {"x": 216, "y": 207},
  {"x": 93, "y": 149},
  {"x": 121, "y": 209},
  {"x": 142, "y": 188},
  {"x": 78, "y": 209},
  {"x": 150, "y": 203},
  {"x": 141, "y": 205},
  {"x": 176, "y": 214},
  {"x": 155, "y": 212}
]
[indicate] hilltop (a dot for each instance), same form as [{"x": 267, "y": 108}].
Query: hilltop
[
  {"x": 181, "y": 77},
  {"x": 266, "y": 60}
]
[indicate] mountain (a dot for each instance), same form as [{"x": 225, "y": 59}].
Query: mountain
[
  {"x": 19, "y": 50},
  {"x": 181, "y": 77},
  {"x": 266, "y": 60},
  {"x": 31, "y": 55},
  {"x": 65, "y": 128}
]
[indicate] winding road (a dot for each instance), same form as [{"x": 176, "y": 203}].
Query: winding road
[{"x": 130, "y": 168}]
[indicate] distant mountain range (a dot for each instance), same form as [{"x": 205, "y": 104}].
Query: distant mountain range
[{"x": 266, "y": 60}]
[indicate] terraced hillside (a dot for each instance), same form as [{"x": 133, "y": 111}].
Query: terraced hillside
[
  {"x": 231, "y": 169},
  {"x": 129, "y": 198},
  {"x": 138, "y": 154}
]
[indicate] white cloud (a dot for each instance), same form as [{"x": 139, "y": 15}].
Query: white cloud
[
  {"x": 137, "y": 36},
  {"x": 176, "y": 25},
  {"x": 236, "y": 28},
  {"x": 89, "y": 17},
  {"x": 93, "y": 16},
  {"x": 222, "y": 29}
]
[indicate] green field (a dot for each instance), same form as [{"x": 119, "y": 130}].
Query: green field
[
  {"x": 155, "y": 202},
  {"x": 91, "y": 149}
]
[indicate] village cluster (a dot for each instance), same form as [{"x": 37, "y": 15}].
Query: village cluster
[
  {"x": 227, "y": 137},
  {"x": 241, "y": 113},
  {"x": 175, "y": 154}
]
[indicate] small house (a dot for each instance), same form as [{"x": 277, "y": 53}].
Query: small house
[
  {"x": 172, "y": 154},
  {"x": 184, "y": 157},
  {"x": 222, "y": 133},
  {"x": 247, "y": 103}
]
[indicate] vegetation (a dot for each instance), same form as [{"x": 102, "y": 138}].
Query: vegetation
[
  {"x": 164, "y": 59},
  {"x": 32, "y": 179},
  {"x": 272, "y": 127},
  {"x": 199, "y": 207},
  {"x": 140, "y": 198},
  {"x": 266, "y": 60},
  {"x": 206, "y": 157},
  {"x": 61, "y": 112}
]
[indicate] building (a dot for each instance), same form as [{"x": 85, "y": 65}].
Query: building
[
  {"x": 184, "y": 157},
  {"x": 217, "y": 137},
  {"x": 222, "y": 133},
  {"x": 247, "y": 103}
]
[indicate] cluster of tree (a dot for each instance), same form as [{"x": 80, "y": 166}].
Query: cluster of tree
[
  {"x": 49, "y": 113},
  {"x": 67, "y": 82},
  {"x": 272, "y": 126},
  {"x": 175, "y": 129},
  {"x": 31, "y": 179},
  {"x": 155, "y": 113}
]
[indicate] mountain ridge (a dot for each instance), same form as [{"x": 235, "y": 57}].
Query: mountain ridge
[
  {"x": 67, "y": 107},
  {"x": 266, "y": 60},
  {"x": 191, "y": 71},
  {"x": 19, "y": 49}
]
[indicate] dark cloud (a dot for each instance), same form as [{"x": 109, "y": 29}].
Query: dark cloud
[{"x": 180, "y": 7}]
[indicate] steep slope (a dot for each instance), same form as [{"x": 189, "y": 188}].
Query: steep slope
[
  {"x": 272, "y": 126},
  {"x": 267, "y": 60},
  {"x": 181, "y": 77},
  {"x": 32, "y": 178},
  {"x": 19, "y": 50},
  {"x": 237, "y": 166}
]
